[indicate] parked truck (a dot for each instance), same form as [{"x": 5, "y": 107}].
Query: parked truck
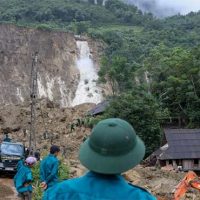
[{"x": 10, "y": 154}]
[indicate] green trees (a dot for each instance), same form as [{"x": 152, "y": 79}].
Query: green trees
[
  {"x": 66, "y": 11},
  {"x": 159, "y": 56},
  {"x": 117, "y": 73},
  {"x": 141, "y": 110},
  {"x": 175, "y": 78},
  {"x": 166, "y": 86},
  {"x": 53, "y": 11}
]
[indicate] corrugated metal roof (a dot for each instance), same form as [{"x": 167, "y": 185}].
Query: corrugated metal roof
[
  {"x": 183, "y": 144},
  {"x": 99, "y": 108}
]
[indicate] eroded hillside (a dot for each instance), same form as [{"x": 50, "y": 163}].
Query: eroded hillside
[{"x": 58, "y": 75}]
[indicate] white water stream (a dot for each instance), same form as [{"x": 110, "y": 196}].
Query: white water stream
[{"x": 87, "y": 90}]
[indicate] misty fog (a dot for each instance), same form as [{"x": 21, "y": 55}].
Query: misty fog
[{"x": 163, "y": 8}]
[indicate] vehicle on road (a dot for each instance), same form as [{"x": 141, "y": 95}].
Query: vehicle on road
[{"x": 10, "y": 154}]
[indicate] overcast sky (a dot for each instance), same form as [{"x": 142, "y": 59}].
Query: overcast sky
[
  {"x": 167, "y": 7},
  {"x": 184, "y": 6}
]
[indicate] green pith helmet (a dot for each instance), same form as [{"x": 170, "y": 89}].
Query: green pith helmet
[{"x": 112, "y": 148}]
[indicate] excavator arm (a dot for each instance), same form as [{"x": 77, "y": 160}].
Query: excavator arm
[{"x": 191, "y": 180}]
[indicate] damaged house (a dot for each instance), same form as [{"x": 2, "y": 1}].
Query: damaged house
[{"x": 182, "y": 149}]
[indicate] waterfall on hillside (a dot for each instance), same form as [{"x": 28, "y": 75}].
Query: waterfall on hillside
[{"x": 87, "y": 90}]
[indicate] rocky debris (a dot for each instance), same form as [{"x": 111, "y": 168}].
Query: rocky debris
[
  {"x": 54, "y": 125},
  {"x": 76, "y": 169},
  {"x": 159, "y": 182},
  {"x": 2, "y": 121},
  {"x": 64, "y": 127}
]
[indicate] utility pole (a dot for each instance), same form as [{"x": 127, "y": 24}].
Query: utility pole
[{"x": 33, "y": 95}]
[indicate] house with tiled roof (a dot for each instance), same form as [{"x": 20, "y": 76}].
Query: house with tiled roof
[{"x": 182, "y": 149}]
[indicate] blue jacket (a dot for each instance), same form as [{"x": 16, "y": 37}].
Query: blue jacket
[
  {"x": 95, "y": 186},
  {"x": 49, "y": 170},
  {"x": 24, "y": 175},
  {"x": 19, "y": 164}
]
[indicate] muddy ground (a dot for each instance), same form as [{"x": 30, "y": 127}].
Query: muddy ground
[
  {"x": 7, "y": 189},
  {"x": 57, "y": 122}
]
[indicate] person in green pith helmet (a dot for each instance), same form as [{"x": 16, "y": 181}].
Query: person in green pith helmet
[{"x": 112, "y": 148}]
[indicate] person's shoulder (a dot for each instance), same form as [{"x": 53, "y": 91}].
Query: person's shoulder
[
  {"x": 44, "y": 159},
  {"x": 61, "y": 188},
  {"x": 24, "y": 169},
  {"x": 54, "y": 159},
  {"x": 47, "y": 158},
  {"x": 143, "y": 191}
]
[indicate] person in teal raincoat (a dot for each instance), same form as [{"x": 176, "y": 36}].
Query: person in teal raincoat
[
  {"x": 19, "y": 164},
  {"x": 49, "y": 168},
  {"x": 23, "y": 179},
  {"x": 112, "y": 148},
  {"x": 7, "y": 139}
]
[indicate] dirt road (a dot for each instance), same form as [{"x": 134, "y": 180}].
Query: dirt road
[{"x": 7, "y": 190}]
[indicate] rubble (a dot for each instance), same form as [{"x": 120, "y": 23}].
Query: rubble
[
  {"x": 159, "y": 182},
  {"x": 54, "y": 125},
  {"x": 62, "y": 126}
]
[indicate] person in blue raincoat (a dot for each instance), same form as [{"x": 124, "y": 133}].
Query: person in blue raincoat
[
  {"x": 23, "y": 179},
  {"x": 49, "y": 168},
  {"x": 112, "y": 148}
]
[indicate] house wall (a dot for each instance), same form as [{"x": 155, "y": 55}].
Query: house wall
[
  {"x": 190, "y": 165},
  {"x": 186, "y": 164}
]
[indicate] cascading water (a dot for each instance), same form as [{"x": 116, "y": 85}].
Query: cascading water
[
  {"x": 104, "y": 2},
  {"x": 87, "y": 90}
]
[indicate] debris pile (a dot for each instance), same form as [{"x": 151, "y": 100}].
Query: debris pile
[
  {"x": 54, "y": 125},
  {"x": 160, "y": 182},
  {"x": 65, "y": 127}
]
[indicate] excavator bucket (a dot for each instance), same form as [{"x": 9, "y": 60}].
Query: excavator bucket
[{"x": 190, "y": 180}]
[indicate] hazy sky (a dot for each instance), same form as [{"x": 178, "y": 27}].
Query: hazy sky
[
  {"x": 167, "y": 7},
  {"x": 183, "y": 6}
]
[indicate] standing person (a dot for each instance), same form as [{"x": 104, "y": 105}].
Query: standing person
[
  {"x": 6, "y": 139},
  {"x": 112, "y": 148},
  {"x": 19, "y": 164},
  {"x": 23, "y": 179},
  {"x": 49, "y": 168}
]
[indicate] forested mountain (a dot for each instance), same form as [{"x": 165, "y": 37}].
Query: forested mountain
[{"x": 152, "y": 65}]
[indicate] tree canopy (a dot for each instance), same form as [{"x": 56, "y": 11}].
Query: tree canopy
[{"x": 152, "y": 65}]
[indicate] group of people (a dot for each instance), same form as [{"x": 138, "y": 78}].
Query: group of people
[
  {"x": 48, "y": 173},
  {"x": 112, "y": 149}
]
